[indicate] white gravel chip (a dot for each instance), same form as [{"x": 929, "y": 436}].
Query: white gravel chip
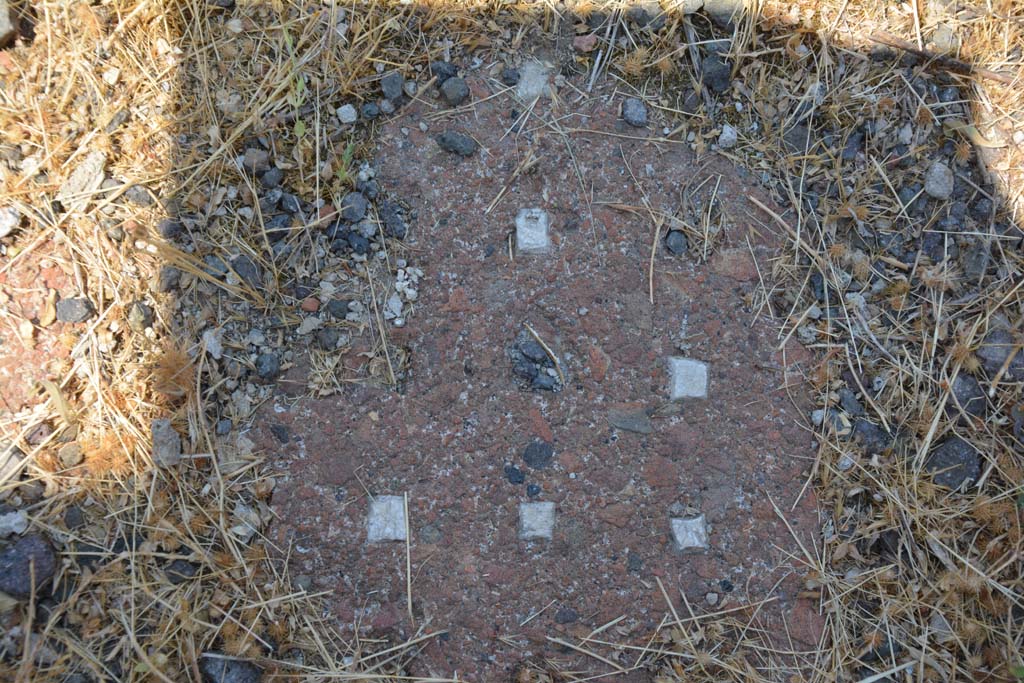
[
  {"x": 728, "y": 137},
  {"x": 13, "y": 523},
  {"x": 690, "y": 533},
  {"x": 532, "y": 231},
  {"x": 688, "y": 378},
  {"x": 536, "y": 521},
  {"x": 347, "y": 114},
  {"x": 386, "y": 521}
]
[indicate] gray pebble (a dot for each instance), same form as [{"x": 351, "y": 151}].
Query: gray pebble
[
  {"x": 347, "y": 114},
  {"x": 634, "y": 111},
  {"x": 167, "y": 279},
  {"x": 138, "y": 195},
  {"x": 166, "y": 443},
  {"x": 370, "y": 111},
  {"x": 224, "y": 426},
  {"x": 442, "y": 71},
  {"x": 995, "y": 349},
  {"x": 848, "y": 401},
  {"x": 256, "y": 160},
  {"x": 430, "y": 534},
  {"x": 247, "y": 270},
  {"x": 510, "y": 76},
  {"x": 272, "y": 177},
  {"x": 966, "y": 399},
  {"x": 70, "y": 455},
  {"x": 180, "y": 571},
  {"x": 630, "y": 421},
  {"x": 327, "y": 338},
  {"x": 566, "y": 615},
  {"x": 455, "y": 91},
  {"x": 457, "y": 143},
  {"x": 76, "y": 310}
]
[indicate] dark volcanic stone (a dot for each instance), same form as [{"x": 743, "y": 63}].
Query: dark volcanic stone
[
  {"x": 391, "y": 85},
  {"x": 327, "y": 338},
  {"x": 394, "y": 223},
  {"x": 510, "y": 76},
  {"x": 532, "y": 490},
  {"x": 180, "y": 571},
  {"x": 369, "y": 110},
  {"x": 457, "y": 143},
  {"x": 848, "y": 402},
  {"x": 442, "y": 71},
  {"x": 31, "y": 556},
  {"x": 353, "y": 207},
  {"x": 544, "y": 382},
  {"x": 167, "y": 279},
  {"x": 272, "y": 177},
  {"x": 873, "y": 437},
  {"x": 514, "y": 475},
  {"x": 455, "y": 91},
  {"x": 337, "y": 308},
  {"x": 953, "y": 462},
  {"x": 538, "y": 454},
  {"x": 169, "y": 228},
  {"x": 533, "y": 351},
  {"x": 221, "y": 669},
  {"x": 278, "y": 227},
  {"x": 268, "y": 366},
  {"x": 717, "y": 74},
  {"x": 676, "y": 242},
  {"x": 566, "y": 615},
  {"x": 74, "y": 518},
  {"x": 247, "y": 270},
  {"x": 966, "y": 398},
  {"x": 75, "y": 310},
  {"x": 140, "y": 316},
  {"x": 634, "y": 112},
  {"x": 359, "y": 244},
  {"x": 995, "y": 349}
]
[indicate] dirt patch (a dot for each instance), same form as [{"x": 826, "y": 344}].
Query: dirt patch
[{"x": 460, "y": 421}]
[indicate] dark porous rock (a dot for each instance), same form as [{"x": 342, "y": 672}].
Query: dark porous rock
[
  {"x": 538, "y": 454},
  {"x": 566, "y": 615},
  {"x": 872, "y": 437},
  {"x": 532, "y": 490},
  {"x": 272, "y": 177},
  {"x": 544, "y": 382},
  {"x": 391, "y": 85},
  {"x": 521, "y": 367},
  {"x": 180, "y": 571},
  {"x": 442, "y": 71},
  {"x": 953, "y": 462},
  {"x": 140, "y": 316},
  {"x": 848, "y": 402},
  {"x": 797, "y": 139},
  {"x": 167, "y": 279},
  {"x": 676, "y": 242},
  {"x": 457, "y": 143},
  {"x": 327, "y": 338},
  {"x": 277, "y": 227},
  {"x": 966, "y": 398},
  {"x": 280, "y": 433},
  {"x": 717, "y": 74},
  {"x": 646, "y": 14},
  {"x": 31, "y": 557},
  {"x": 358, "y": 243},
  {"x": 510, "y": 76},
  {"x": 854, "y": 146},
  {"x": 169, "y": 228},
  {"x": 455, "y": 91},
  {"x": 634, "y": 112},
  {"x": 514, "y": 475},
  {"x": 533, "y": 350},
  {"x": 369, "y": 188},
  {"x": 981, "y": 210},
  {"x": 268, "y": 366},
  {"x": 976, "y": 259},
  {"x": 74, "y": 518},
  {"x": 76, "y": 310},
  {"x": 337, "y": 308},
  {"x": 214, "y": 266},
  {"x": 353, "y": 207},
  {"x": 290, "y": 203},
  {"x": 138, "y": 195},
  {"x": 394, "y": 222},
  {"x": 994, "y": 352},
  {"x": 219, "y": 668},
  {"x": 247, "y": 270},
  {"x": 369, "y": 111}
]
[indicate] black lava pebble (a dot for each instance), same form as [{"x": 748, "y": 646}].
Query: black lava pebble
[
  {"x": 75, "y": 310},
  {"x": 268, "y": 366},
  {"x": 457, "y": 143},
  {"x": 538, "y": 454},
  {"x": 514, "y": 475}
]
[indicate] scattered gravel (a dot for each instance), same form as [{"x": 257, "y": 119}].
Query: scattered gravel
[
  {"x": 76, "y": 310},
  {"x": 953, "y": 462},
  {"x": 31, "y": 554},
  {"x": 455, "y": 91},
  {"x": 634, "y": 112},
  {"x": 166, "y": 443},
  {"x": 532, "y": 365},
  {"x": 457, "y": 143}
]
